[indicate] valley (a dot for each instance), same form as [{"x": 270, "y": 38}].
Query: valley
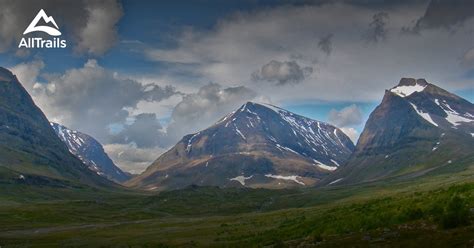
[
  {"x": 399, "y": 211},
  {"x": 261, "y": 176}
]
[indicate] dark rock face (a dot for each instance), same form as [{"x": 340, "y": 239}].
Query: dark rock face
[
  {"x": 28, "y": 145},
  {"x": 90, "y": 152},
  {"x": 418, "y": 126},
  {"x": 258, "y": 145}
]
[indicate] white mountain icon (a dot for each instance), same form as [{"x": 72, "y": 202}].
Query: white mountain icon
[{"x": 47, "y": 29}]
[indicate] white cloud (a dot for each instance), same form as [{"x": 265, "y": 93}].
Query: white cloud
[
  {"x": 90, "y": 98},
  {"x": 347, "y": 119},
  {"x": 354, "y": 70},
  {"x": 348, "y": 116},
  {"x": 27, "y": 73},
  {"x": 132, "y": 159}
]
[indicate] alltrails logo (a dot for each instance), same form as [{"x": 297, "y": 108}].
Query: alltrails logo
[{"x": 38, "y": 42}]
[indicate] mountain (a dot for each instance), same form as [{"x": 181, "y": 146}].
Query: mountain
[
  {"x": 30, "y": 151},
  {"x": 90, "y": 152},
  {"x": 417, "y": 128},
  {"x": 258, "y": 145}
]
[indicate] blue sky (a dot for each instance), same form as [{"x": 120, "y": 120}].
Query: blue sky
[{"x": 160, "y": 62}]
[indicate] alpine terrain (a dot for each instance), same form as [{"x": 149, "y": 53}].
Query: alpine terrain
[
  {"x": 417, "y": 129},
  {"x": 90, "y": 152},
  {"x": 30, "y": 151},
  {"x": 257, "y": 145}
]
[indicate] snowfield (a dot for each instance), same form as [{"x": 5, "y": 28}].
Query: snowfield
[{"x": 287, "y": 178}]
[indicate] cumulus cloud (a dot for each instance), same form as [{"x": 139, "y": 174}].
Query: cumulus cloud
[
  {"x": 90, "y": 98},
  {"x": 377, "y": 28},
  {"x": 346, "y": 119},
  {"x": 145, "y": 132},
  {"x": 131, "y": 158},
  {"x": 282, "y": 72},
  {"x": 348, "y": 116},
  {"x": 27, "y": 73},
  {"x": 325, "y": 44},
  {"x": 90, "y": 25}
]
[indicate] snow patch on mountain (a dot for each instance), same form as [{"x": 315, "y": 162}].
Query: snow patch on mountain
[
  {"x": 335, "y": 162},
  {"x": 241, "y": 179},
  {"x": 406, "y": 90},
  {"x": 336, "y": 181},
  {"x": 190, "y": 142},
  {"x": 70, "y": 137},
  {"x": 323, "y": 166},
  {"x": 436, "y": 146},
  {"x": 303, "y": 127},
  {"x": 239, "y": 132},
  {"x": 286, "y": 148},
  {"x": 453, "y": 116},
  {"x": 287, "y": 178},
  {"x": 424, "y": 115}
]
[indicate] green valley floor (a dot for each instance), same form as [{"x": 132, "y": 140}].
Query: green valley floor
[{"x": 436, "y": 210}]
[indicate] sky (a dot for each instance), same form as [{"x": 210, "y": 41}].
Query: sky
[{"x": 139, "y": 75}]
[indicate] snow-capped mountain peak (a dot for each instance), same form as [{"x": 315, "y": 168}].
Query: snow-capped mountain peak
[
  {"x": 257, "y": 144},
  {"x": 408, "y": 86},
  {"x": 315, "y": 139},
  {"x": 435, "y": 105},
  {"x": 417, "y": 123}
]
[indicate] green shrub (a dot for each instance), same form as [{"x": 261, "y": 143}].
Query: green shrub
[
  {"x": 412, "y": 213},
  {"x": 456, "y": 213}
]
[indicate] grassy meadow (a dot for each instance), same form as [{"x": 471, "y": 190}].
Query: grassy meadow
[{"x": 436, "y": 210}]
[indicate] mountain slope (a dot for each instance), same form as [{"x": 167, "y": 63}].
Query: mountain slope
[
  {"x": 417, "y": 128},
  {"x": 29, "y": 148},
  {"x": 90, "y": 152},
  {"x": 258, "y": 145}
]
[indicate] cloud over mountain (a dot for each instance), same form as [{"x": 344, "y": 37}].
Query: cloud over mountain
[
  {"x": 348, "y": 116},
  {"x": 346, "y": 119},
  {"x": 199, "y": 110}
]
